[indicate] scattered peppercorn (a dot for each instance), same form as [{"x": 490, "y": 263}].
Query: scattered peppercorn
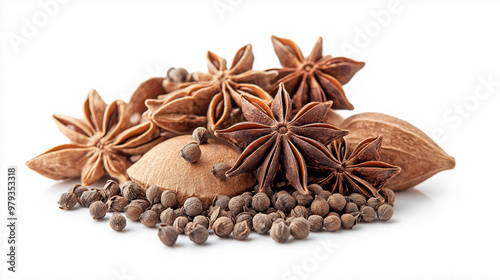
[
  {"x": 67, "y": 201},
  {"x": 191, "y": 152},
  {"x": 241, "y": 230},
  {"x": 299, "y": 228},
  {"x": 193, "y": 206},
  {"x": 168, "y": 235},
  {"x": 117, "y": 222},
  {"x": 200, "y": 135},
  {"x": 219, "y": 170},
  {"x": 385, "y": 212},
  {"x": 98, "y": 210},
  {"x": 280, "y": 232}
]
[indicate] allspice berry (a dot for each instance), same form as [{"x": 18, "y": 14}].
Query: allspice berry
[
  {"x": 67, "y": 201},
  {"x": 191, "y": 152},
  {"x": 222, "y": 201},
  {"x": 180, "y": 223},
  {"x": 98, "y": 210},
  {"x": 357, "y": 199},
  {"x": 168, "y": 235},
  {"x": 157, "y": 208},
  {"x": 348, "y": 221},
  {"x": 117, "y": 222},
  {"x": 219, "y": 170},
  {"x": 117, "y": 203},
  {"x": 202, "y": 221},
  {"x": 168, "y": 216},
  {"x": 132, "y": 191},
  {"x": 111, "y": 188},
  {"x": 280, "y": 232},
  {"x": 241, "y": 230},
  {"x": 198, "y": 234},
  {"x": 304, "y": 199},
  {"x": 262, "y": 223},
  {"x": 149, "y": 218},
  {"x": 388, "y": 195},
  {"x": 374, "y": 202},
  {"x": 133, "y": 212},
  {"x": 244, "y": 217},
  {"x": 315, "y": 189},
  {"x": 236, "y": 204},
  {"x": 188, "y": 228},
  {"x": 351, "y": 207},
  {"x": 141, "y": 202},
  {"x": 337, "y": 202},
  {"x": 168, "y": 199},
  {"x": 299, "y": 211},
  {"x": 193, "y": 206},
  {"x": 299, "y": 228},
  {"x": 367, "y": 213},
  {"x": 200, "y": 135},
  {"x": 88, "y": 197},
  {"x": 385, "y": 212},
  {"x": 325, "y": 194},
  {"x": 78, "y": 190},
  {"x": 320, "y": 206},
  {"x": 315, "y": 223},
  {"x": 284, "y": 202},
  {"x": 332, "y": 223},
  {"x": 153, "y": 194},
  {"x": 260, "y": 202},
  {"x": 223, "y": 226}
]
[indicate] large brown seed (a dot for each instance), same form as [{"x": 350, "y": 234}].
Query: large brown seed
[
  {"x": 180, "y": 223},
  {"x": 223, "y": 227},
  {"x": 241, "y": 230},
  {"x": 315, "y": 222},
  {"x": 337, "y": 202},
  {"x": 262, "y": 223},
  {"x": 67, "y": 201},
  {"x": 236, "y": 204},
  {"x": 198, "y": 234},
  {"x": 332, "y": 223},
  {"x": 191, "y": 152},
  {"x": 299, "y": 228},
  {"x": 260, "y": 202},
  {"x": 320, "y": 206},
  {"x": 149, "y": 218},
  {"x": 168, "y": 199},
  {"x": 153, "y": 194},
  {"x": 133, "y": 212},
  {"x": 168, "y": 216},
  {"x": 193, "y": 206},
  {"x": 406, "y": 146},
  {"x": 168, "y": 235},
  {"x": 348, "y": 221},
  {"x": 117, "y": 222},
  {"x": 98, "y": 210},
  {"x": 132, "y": 191},
  {"x": 385, "y": 212},
  {"x": 280, "y": 232}
]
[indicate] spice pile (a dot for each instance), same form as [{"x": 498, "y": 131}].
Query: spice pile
[
  {"x": 282, "y": 214},
  {"x": 268, "y": 151}
]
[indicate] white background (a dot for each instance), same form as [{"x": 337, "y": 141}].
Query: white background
[{"x": 423, "y": 63}]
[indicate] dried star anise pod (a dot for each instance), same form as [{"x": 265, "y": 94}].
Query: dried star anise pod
[
  {"x": 101, "y": 143},
  {"x": 212, "y": 97},
  {"x": 358, "y": 170},
  {"x": 274, "y": 140},
  {"x": 316, "y": 78}
]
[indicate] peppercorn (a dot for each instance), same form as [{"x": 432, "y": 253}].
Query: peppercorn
[
  {"x": 67, "y": 201},
  {"x": 324, "y": 194},
  {"x": 337, "y": 202},
  {"x": 260, "y": 202},
  {"x": 191, "y": 152},
  {"x": 188, "y": 228},
  {"x": 157, "y": 208},
  {"x": 141, "y": 202},
  {"x": 374, "y": 202},
  {"x": 200, "y": 135},
  {"x": 320, "y": 206},
  {"x": 198, "y": 234},
  {"x": 149, "y": 218},
  {"x": 168, "y": 216},
  {"x": 133, "y": 212},
  {"x": 222, "y": 201},
  {"x": 236, "y": 204},
  {"x": 244, "y": 217},
  {"x": 367, "y": 213},
  {"x": 241, "y": 230},
  {"x": 351, "y": 207},
  {"x": 88, "y": 197},
  {"x": 219, "y": 170},
  {"x": 274, "y": 216},
  {"x": 348, "y": 221},
  {"x": 168, "y": 199},
  {"x": 262, "y": 223},
  {"x": 315, "y": 222},
  {"x": 168, "y": 235},
  {"x": 153, "y": 194},
  {"x": 299, "y": 211},
  {"x": 284, "y": 202},
  {"x": 332, "y": 223},
  {"x": 193, "y": 206},
  {"x": 388, "y": 195},
  {"x": 280, "y": 232},
  {"x": 98, "y": 210},
  {"x": 117, "y": 203},
  {"x": 299, "y": 228},
  {"x": 78, "y": 190},
  {"x": 180, "y": 223},
  {"x": 223, "y": 226},
  {"x": 111, "y": 188},
  {"x": 117, "y": 222},
  {"x": 385, "y": 212},
  {"x": 132, "y": 191}
]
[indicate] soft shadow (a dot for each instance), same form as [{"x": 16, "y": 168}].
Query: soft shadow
[
  {"x": 65, "y": 185},
  {"x": 411, "y": 200}
]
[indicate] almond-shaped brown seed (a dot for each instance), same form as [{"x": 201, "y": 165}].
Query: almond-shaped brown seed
[{"x": 404, "y": 145}]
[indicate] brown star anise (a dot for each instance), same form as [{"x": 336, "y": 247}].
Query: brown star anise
[
  {"x": 274, "y": 140},
  {"x": 358, "y": 170},
  {"x": 212, "y": 97},
  {"x": 101, "y": 143},
  {"x": 316, "y": 78}
]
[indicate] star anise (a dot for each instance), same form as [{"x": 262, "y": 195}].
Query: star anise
[
  {"x": 357, "y": 170},
  {"x": 316, "y": 78},
  {"x": 212, "y": 97},
  {"x": 101, "y": 143},
  {"x": 274, "y": 140}
]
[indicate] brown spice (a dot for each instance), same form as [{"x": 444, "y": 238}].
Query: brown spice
[
  {"x": 280, "y": 232},
  {"x": 223, "y": 227},
  {"x": 304, "y": 199},
  {"x": 241, "y": 230},
  {"x": 111, "y": 188},
  {"x": 168, "y": 199},
  {"x": 191, "y": 152},
  {"x": 153, "y": 194},
  {"x": 374, "y": 202},
  {"x": 357, "y": 198},
  {"x": 299, "y": 211},
  {"x": 157, "y": 208},
  {"x": 193, "y": 206},
  {"x": 315, "y": 189},
  {"x": 198, "y": 234},
  {"x": 262, "y": 223},
  {"x": 149, "y": 218},
  {"x": 260, "y": 202},
  {"x": 117, "y": 203},
  {"x": 299, "y": 228},
  {"x": 315, "y": 223},
  {"x": 337, "y": 202},
  {"x": 180, "y": 223},
  {"x": 88, "y": 197},
  {"x": 284, "y": 202},
  {"x": 168, "y": 235},
  {"x": 236, "y": 204},
  {"x": 202, "y": 221},
  {"x": 78, "y": 191},
  {"x": 200, "y": 135},
  {"x": 67, "y": 201},
  {"x": 222, "y": 201},
  {"x": 348, "y": 221},
  {"x": 367, "y": 213},
  {"x": 219, "y": 170},
  {"x": 141, "y": 202},
  {"x": 388, "y": 195},
  {"x": 117, "y": 222},
  {"x": 351, "y": 207},
  {"x": 332, "y": 223},
  {"x": 133, "y": 212},
  {"x": 132, "y": 191},
  {"x": 98, "y": 210},
  {"x": 385, "y": 212},
  {"x": 168, "y": 216},
  {"x": 320, "y": 206}
]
